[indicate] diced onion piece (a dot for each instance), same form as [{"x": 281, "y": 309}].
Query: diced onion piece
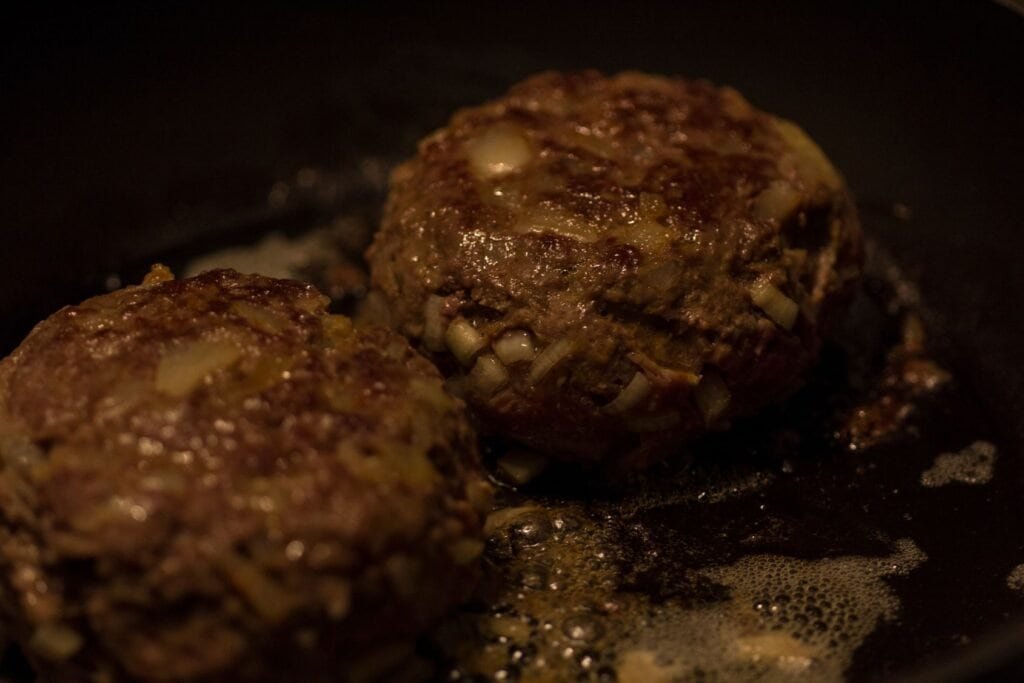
[
  {"x": 267, "y": 596},
  {"x": 312, "y": 301},
  {"x": 429, "y": 393},
  {"x": 259, "y": 317},
  {"x": 463, "y": 340},
  {"x": 158, "y": 273},
  {"x": 658, "y": 422},
  {"x": 337, "y": 328},
  {"x": 515, "y": 346},
  {"x": 634, "y": 392},
  {"x": 55, "y": 641},
  {"x": 662, "y": 376},
  {"x": 647, "y": 235},
  {"x": 119, "y": 400},
  {"x": 546, "y": 218},
  {"x": 499, "y": 151},
  {"x": 587, "y": 139},
  {"x": 433, "y": 326},
  {"x": 776, "y": 202},
  {"x": 521, "y": 466},
  {"x": 795, "y": 258},
  {"x": 183, "y": 369},
  {"x": 712, "y": 395},
  {"x": 548, "y": 359},
  {"x": 775, "y": 304},
  {"x": 488, "y": 375}
]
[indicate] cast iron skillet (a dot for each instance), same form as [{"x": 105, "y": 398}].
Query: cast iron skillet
[{"x": 158, "y": 134}]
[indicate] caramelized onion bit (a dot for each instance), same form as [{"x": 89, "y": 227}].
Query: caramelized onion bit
[
  {"x": 158, "y": 273},
  {"x": 521, "y": 467},
  {"x": 515, "y": 346},
  {"x": 548, "y": 359},
  {"x": 433, "y": 325},
  {"x": 775, "y": 304},
  {"x": 712, "y": 395},
  {"x": 634, "y": 392},
  {"x": 463, "y": 340},
  {"x": 776, "y": 202},
  {"x": 259, "y": 317},
  {"x": 795, "y": 258},
  {"x": 337, "y": 328},
  {"x": 499, "y": 151},
  {"x": 647, "y": 235},
  {"x": 660, "y": 375},
  {"x": 183, "y": 369},
  {"x": 547, "y": 218},
  {"x": 55, "y": 641},
  {"x": 488, "y": 374},
  {"x": 268, "y": 597}
]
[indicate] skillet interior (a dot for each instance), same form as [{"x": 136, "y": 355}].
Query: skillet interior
[{"x": 160, "y": 136}]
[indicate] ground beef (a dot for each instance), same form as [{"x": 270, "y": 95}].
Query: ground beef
[
  {"x": 212, "y": 479},
  {"x": 607, "y": 267}
]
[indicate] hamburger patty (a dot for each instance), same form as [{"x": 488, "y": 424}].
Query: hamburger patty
[
  {"x": 608, "y": 266},
  {"x": 213, "y": 479}
]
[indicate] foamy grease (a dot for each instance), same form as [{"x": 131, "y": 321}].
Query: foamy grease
[
  {"x": 1015, "y": 580},
  {"x": 972, "y": 465},
  {"x": 784, "y": 617},
  {"x": 565, "y": 617}
]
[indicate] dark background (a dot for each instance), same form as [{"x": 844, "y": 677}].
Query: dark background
[{"x": 127, "y": 134}]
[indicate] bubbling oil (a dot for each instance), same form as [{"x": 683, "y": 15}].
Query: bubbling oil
[
  {"x": 1015, "y": 579},
  {"x": 559, "y": 612},
  {"x": 971, "y": 465}
]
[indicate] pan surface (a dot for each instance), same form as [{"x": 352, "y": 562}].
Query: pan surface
[{"x": 171, "y": 135}]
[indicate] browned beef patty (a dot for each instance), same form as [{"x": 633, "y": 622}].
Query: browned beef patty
[
  {"x": 612, "y": 265},
  {"x": 214, "y": 479}
]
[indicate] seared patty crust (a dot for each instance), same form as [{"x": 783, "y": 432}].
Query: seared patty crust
[
  {"x": 213, "y": 479},
  {"x": 609, "y": 266}
]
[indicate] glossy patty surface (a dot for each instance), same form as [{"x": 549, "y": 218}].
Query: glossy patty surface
[
  {"x": 609, "y": 266},
  {"x": 214, "y": 479}
]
